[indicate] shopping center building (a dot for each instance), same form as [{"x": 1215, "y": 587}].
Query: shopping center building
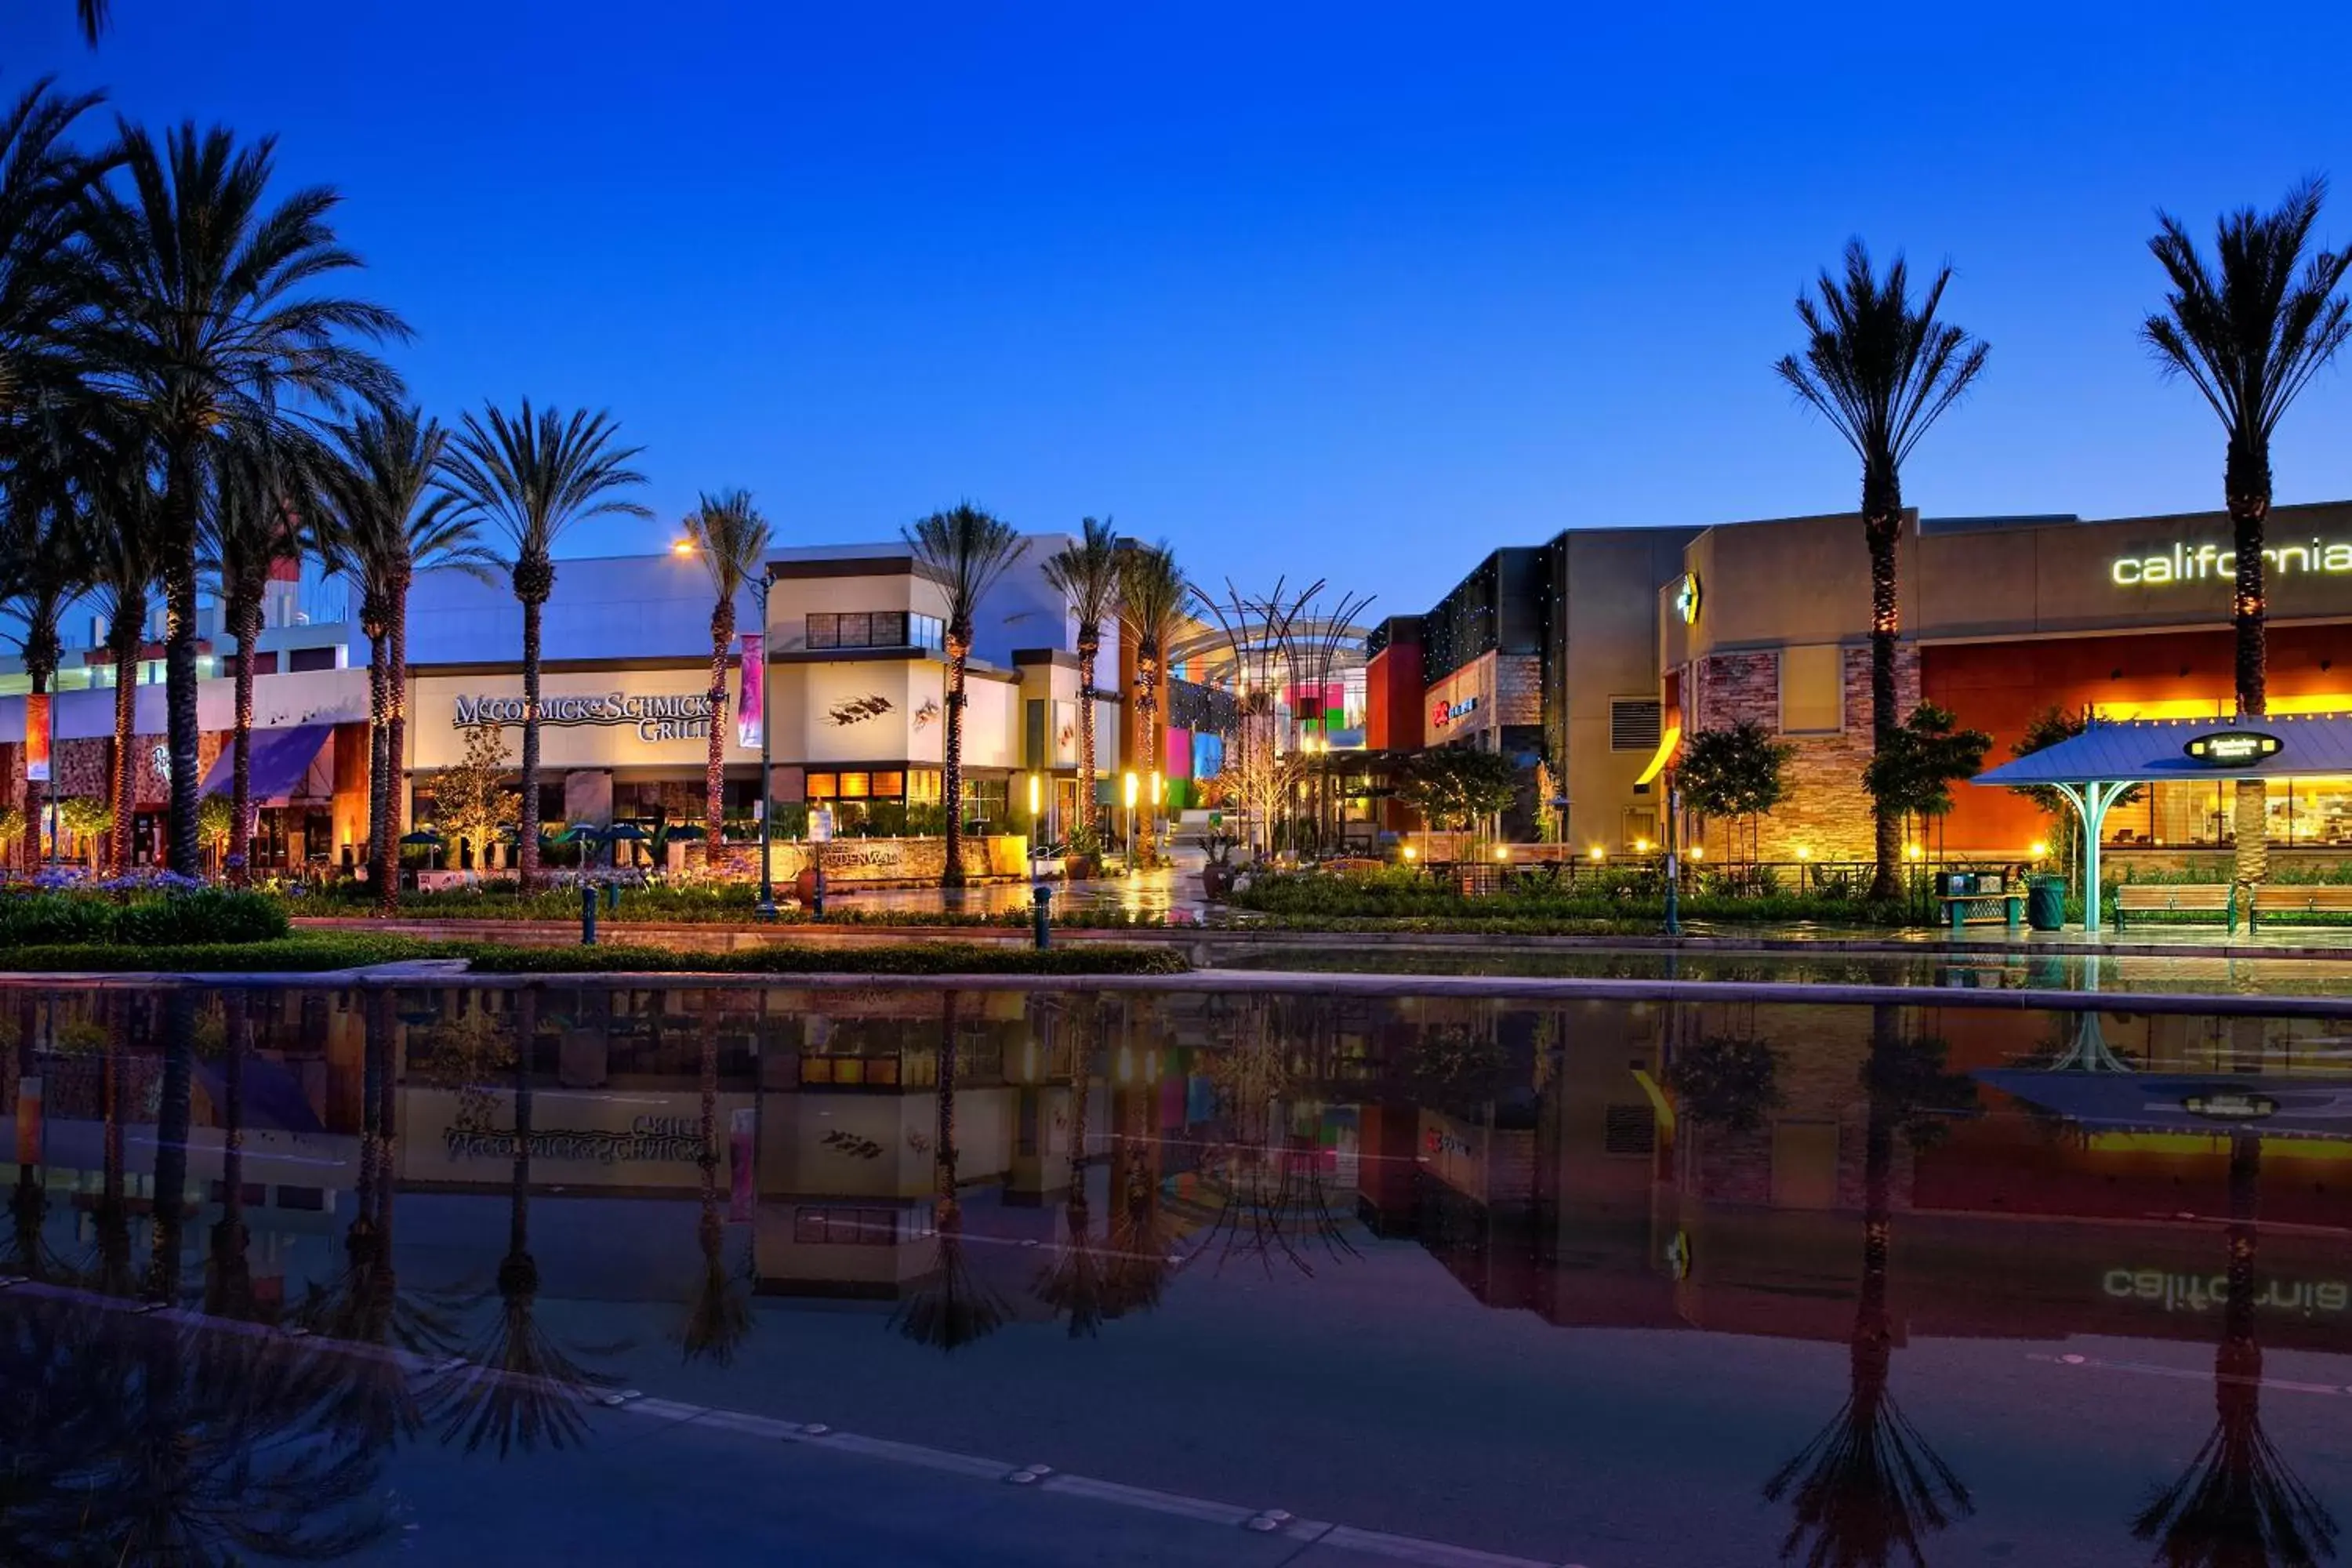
[{"x": 1545, "y": 655}]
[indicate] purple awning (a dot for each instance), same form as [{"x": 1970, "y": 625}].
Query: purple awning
[{"x": 281, "y": 758}]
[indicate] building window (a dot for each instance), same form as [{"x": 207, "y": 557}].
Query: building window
[
  {"x": 1812, "y": 689},
  {"x": 923, "y": 786},
  {"x": 875, "y": 628},
  {"x": 1635, "y": 723}
]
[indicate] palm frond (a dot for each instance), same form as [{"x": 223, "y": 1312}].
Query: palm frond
[
  {"x": 964, "y": 550},
  {"x": 1879, "y": 369},
  {"x": 534, "y": 474}
]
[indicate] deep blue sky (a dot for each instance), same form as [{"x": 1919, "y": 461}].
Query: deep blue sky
[{"x": 1351, "y": 290}]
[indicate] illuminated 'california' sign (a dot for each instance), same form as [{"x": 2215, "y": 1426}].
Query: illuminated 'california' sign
[{"x": 2212, "y": 562}]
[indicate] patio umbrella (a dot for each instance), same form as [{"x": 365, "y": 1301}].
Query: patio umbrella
[
  {"x": 624, "y": 831},
  {"x": 422, "y": 838},
  {"x": 686, "y": 831}
]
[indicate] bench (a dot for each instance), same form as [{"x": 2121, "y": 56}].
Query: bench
[
  {"x": 2177, "y": 898},
  {"x": 2298, "y": 898},
  {"x": 1960, "y": 909}
]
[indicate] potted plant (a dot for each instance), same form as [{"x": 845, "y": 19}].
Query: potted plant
[
  {"x": 1217, "y": 875},
  {"x": 1081, "y": 854}
]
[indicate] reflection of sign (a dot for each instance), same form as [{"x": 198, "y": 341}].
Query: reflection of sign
[
  {"x": 2211, "y": 562},
  {"x": 2232, "y": 748},
  {"x": 2202, "y": 1293},
  {"x": 857, "y": 709},
  {"x": 1686, "y": 599},
  {"x": 677, "y": 1138},
  {"x": 1678, "y": 1254},
  {"x": 2231, "y": 1105},
  {"x": 1442, "y": 713},
  {"x": 682, "y": 716}
]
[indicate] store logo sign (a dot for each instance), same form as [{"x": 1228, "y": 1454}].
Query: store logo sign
[
  {"x": 1442, "y": 713},
  {"x": 2233, "y": 748},
  {"x": 1686, "y": 599},
  {"x": 2214, "y": 562},
  {"x": 683, "y": 716}
]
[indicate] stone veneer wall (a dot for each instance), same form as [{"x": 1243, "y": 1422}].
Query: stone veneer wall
[{"x": 1825, "y": 809}]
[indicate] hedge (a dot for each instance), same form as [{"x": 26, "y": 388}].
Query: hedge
[{"x": 212, "y": 915}]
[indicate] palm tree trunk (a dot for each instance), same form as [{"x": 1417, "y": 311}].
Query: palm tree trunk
[
  {"x": 395, "y": 792},
  {"x": 245, "y": 620},
  {"x": 1089, "y": 651},
  {"x": 124, "y": 637},
  {"x": 379, "y": 718},
  {"x": 1150, "y": 746},
  {"x": 944, "y": 1153},
  {"x": 714, "y": 767},
  {"x": 2248, "y": 483},
  {"x": 179, "y": 655},
  {"x": 528, "y": 849},
  {"x": 951, "y": 762},
  {"x": 172, "y": 1117},
  {"x": 1882, "y": 522}
]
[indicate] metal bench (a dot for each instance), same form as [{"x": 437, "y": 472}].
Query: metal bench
[
  {"x": 2298, "y": 898},
  {"x": 1960, "y": 909},
  {"x": 2177, "y": 898}
]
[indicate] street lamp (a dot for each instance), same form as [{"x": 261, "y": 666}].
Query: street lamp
[{"x": 1134, "y": 786}]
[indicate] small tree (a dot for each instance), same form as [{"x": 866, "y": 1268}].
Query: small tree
[
  {"x": 1738, "y": 772},
  {"x": 1913, "y": 774},
  {"x": 216, "y": 821},
  {"x": 2048, "y": 728},
  {"x": 1456, "y": 786},
  {"x": 87, "y": 820},
  {"x": 473, "y": 800}
]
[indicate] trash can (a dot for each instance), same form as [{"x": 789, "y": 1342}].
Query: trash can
[{"x": 2046, "y": 903}]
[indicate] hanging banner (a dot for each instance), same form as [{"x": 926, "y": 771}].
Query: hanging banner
[
  {"x": 751, "y": 686},
  {"x": 36, "y": 737}
]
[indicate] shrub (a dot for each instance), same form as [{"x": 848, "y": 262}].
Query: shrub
[{"x": 210, "y": 915}]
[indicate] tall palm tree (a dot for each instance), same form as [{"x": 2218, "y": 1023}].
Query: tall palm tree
[
  {"x": 253, "y": 520},
  {"x": 964, "y": 550},
  {"x": 1087, "y": 572},
  {"x": 1152, "y": 597},
  {"x": 1882, "y": 371},
  {"x": 953, "y": 1307},
  {"x": 719, "y": 1318},
  {"x": 51, "y": 545},
  {"x": 2250, "y": 332},
  {"x": 534, "y": 475},
  {"x": 386, "y": 521},
  {"x": 206, "y": 322},
  {"x": 733, "y": 540},
  {"x": 123, "y": 507},
  {"x": 45, "y": 180}
]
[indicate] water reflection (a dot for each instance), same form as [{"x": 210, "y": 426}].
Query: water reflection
[{"x": 220, "y": 1328}]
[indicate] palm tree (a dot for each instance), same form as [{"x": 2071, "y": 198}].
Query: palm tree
[
  {"x": 385, "y": 524},
  {"x": 50, "y": 549},
  {"x": 1882, "y": 373},
  {"x": 1075, "y": 1283},
  {"x": 963, "y": 550},
  {"x": 2250, "y": 332},
  {"x": 1087, "y": 571},
  {"x": 121, "y": 527},
  {"x": 203, "y": 323},
  {"x": 732, "y": 538},
  {"x": 253, "y": 521},
  {"x": 43, "y": 183},
  {"x": 953, "y": 1307},
  {"x": 533, "y": 476},
  {"x": 1151, "y": 596},
  {"x": 719, "y": 1319}
]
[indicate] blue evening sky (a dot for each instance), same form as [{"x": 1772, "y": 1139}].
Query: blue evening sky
[{"x": 1355, "y": 290}]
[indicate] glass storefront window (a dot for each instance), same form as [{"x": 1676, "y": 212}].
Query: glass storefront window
[
  {"x": 923, "y": 786},
  {"x": 2194, "y": 816},
  {"x": 856, "y": 787}
]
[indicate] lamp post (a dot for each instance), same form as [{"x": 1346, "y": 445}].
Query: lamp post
[
  {"x": 1133, "y": 787},
  {"x": 767, "y": 869},
  {"x": 1673, "y": 860}
]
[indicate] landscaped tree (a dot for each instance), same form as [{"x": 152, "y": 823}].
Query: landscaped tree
[
  {"x": 385, "y": 524},
  {"x": 473, "y": 800},
  {"x": 1459, "y": 786},
  {"x": 125, "y": 564},
  {"x": 2250, "y": 331},
  {"x": 1739, "y": 771},
  {"x": 1913, "y": 772},
  {"x": 1087, "y": 571},
  {"x": 254, "y": 520},
  {"x": 205, "y": 323},
  {"x": 733, "y": 541},
  {"x": 1882, "y": 371},
  {"x": 534, "y": 475},
  {"x": 1151, "y": 596},
  {"x": 964, "y": 551}
]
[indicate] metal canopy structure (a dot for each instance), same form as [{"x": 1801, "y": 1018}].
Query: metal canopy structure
[{"x": 2095, "y": 769}]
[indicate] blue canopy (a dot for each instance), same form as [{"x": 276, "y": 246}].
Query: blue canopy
[
  {"x": 2145, "y": 750},
  {"x": 2276, "y": 1105},
  {"x": 282, "y": 760}
]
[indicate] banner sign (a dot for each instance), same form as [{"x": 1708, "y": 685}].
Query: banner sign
[
  {"x": 752, "y": 688},
  {"x": 36, "y": 737}
]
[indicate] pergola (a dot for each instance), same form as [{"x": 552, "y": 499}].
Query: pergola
[{"x": 2096, "y": 768}]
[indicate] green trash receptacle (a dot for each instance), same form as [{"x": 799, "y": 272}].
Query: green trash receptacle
[{"x": 2046, "y": 903}]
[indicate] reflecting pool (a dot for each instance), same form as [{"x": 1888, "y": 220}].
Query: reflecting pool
[{"x": 614, "y": 1273}]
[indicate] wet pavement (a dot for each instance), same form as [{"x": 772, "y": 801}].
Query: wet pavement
[{"x": 622, "y": 1273}]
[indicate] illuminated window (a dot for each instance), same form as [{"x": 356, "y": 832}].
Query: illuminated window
[
  {"x": 1812, "y": 689},
  {"x": 889, "y": 786},
  {"x": 856, "y": 787},
  {"x": 824, "y": 786},
  {"x": 923, "y": 786}
]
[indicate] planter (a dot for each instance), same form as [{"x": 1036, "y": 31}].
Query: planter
[
  {"x": 1216, "y": 881},
  {"x": 1081, "y": 868}
]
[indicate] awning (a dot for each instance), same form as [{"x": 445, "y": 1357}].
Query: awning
[
  {"x": 282, "y": 760},
  {"x": 1668, "y": 745},
  {"x": 2147, "y": 750},
  {"x": 2274, "y": 1105}
]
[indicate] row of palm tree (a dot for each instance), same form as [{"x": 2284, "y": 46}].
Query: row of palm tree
[{"x": 2249, "y": 328}]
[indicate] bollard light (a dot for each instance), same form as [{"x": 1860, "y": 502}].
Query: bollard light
[{"x": 1133, "y": 788}]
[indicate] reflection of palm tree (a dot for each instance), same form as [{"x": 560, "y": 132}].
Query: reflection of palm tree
[
  {"x": 229, "y": 1269},
  {"x": 1136, "y": 1271},
  {"x": 173, "y": 1119},
  {"x": 953, "y": 1307},
  {"x": 1074, "y": 1283},
  {"x": 111, "y": 1270},
  {"x": 1868, "y": 1484},
  {"x": 523, "y": 1387},
  {"x": 720, "y": 1317},
  {"x": 2238, "y": 1503}
]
